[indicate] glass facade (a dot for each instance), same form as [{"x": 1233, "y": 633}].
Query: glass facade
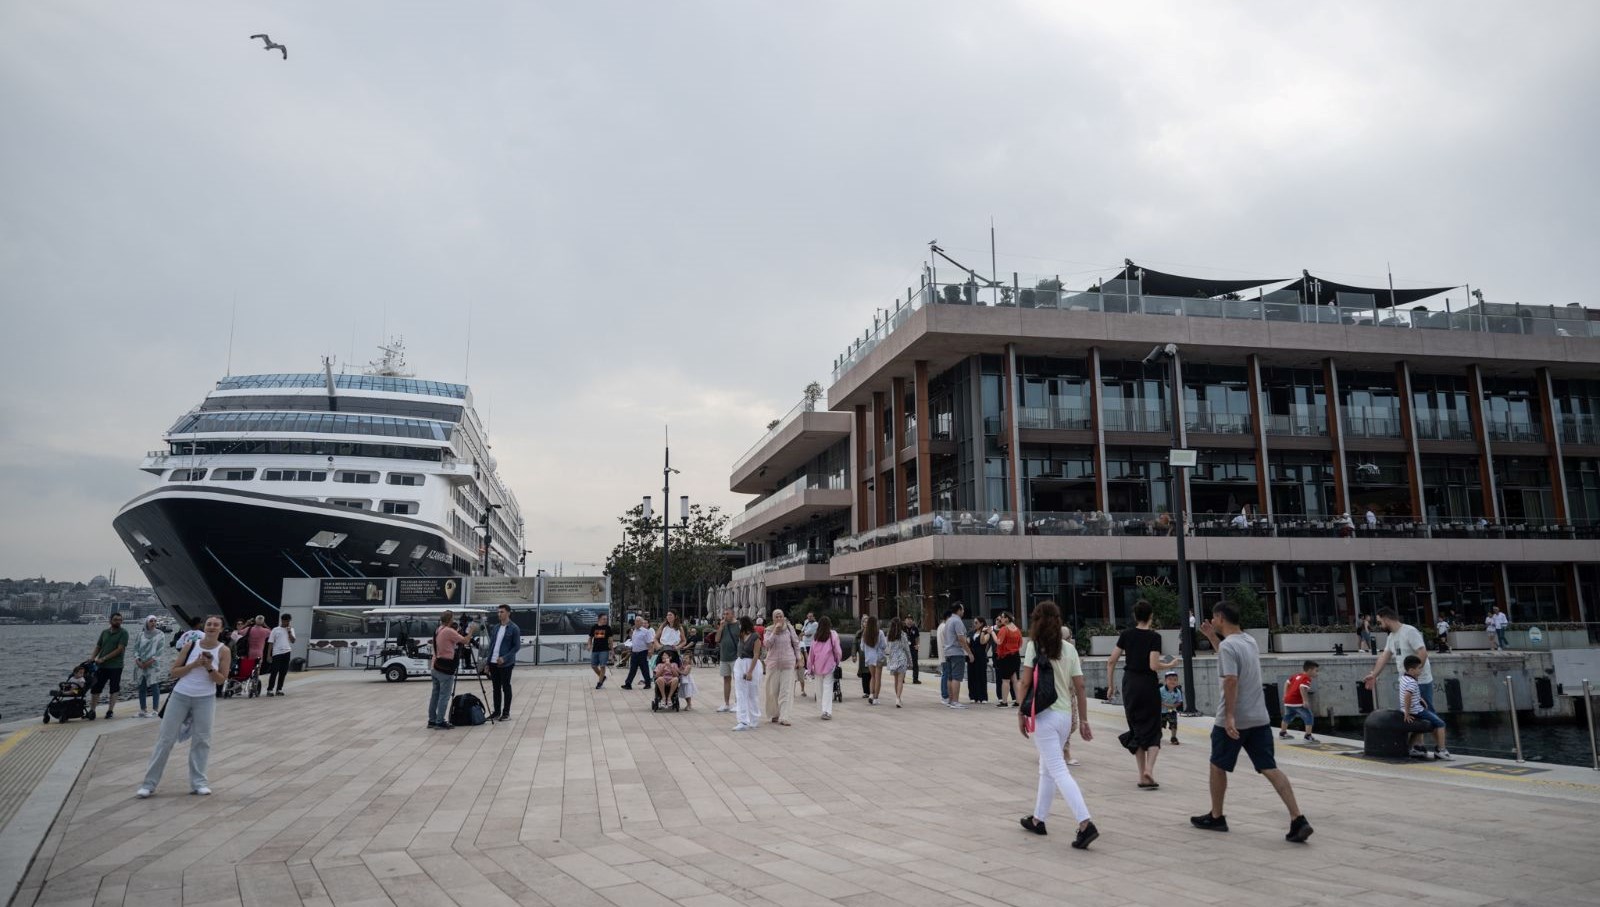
[
  {"x": 1134, "y": 397},
  {"x": 349, "y": 382},
  {"x": 1511, "y": 409},
  {"x": 1577, "y": 407},
  {"x": 1136, "y": 480},
  {"x": 329, "y": 448},
  {"x": 1538, "y": 593},
  {"x": 1452, "y": 488},
  {"x": 1378, "y": 482},
  {"x": 318, "y": 423},
  {"x": 1295, "y": 401},
  {"x": 415, "y": 409},
  {"x": 1223, "y": 481},
  {"x": 1216, "y": 398},
  {"x": 1369, "y": 404},
  {"x": 1523, "y": 484},
  {"x": 1302, "y": 484},
  {"x": 1442, "y": 406}
]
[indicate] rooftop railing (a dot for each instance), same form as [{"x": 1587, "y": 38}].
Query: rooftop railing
[
  {"x": 1494, "y": 318},
  {"x": 806, "y": 405}
]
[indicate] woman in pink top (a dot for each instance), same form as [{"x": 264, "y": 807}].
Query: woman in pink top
[{"x": 824, "y": 656}]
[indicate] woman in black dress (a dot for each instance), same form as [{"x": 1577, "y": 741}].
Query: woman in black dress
[
  {"x": 1141, "y": 690},
  {"x": 981, "y": 639}
]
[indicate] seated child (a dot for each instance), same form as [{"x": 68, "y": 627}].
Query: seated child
[
  {"x": 1171, "y": 703},
  {"x": 1415, "y": 710},
  {"x": 76, "y": 684},
  {"x": 667, "y": 673}
]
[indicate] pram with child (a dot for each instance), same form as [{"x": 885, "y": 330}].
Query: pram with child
[{"x": 67, "y": 699}]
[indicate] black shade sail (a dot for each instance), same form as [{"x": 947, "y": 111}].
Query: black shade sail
[
  {"x": 1317, "y": 291},
  {"x": 1155, "y": 283}
]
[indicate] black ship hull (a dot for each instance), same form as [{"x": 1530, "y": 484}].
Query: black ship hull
[{"x": 208, "y": 551}]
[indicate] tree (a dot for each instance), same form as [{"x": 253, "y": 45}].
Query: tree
[
  {"x": 812, "y": 394},
  {"x": 634, "y": 565}
]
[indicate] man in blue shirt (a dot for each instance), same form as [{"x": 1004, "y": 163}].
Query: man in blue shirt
[{"x": 505, "y": 641}]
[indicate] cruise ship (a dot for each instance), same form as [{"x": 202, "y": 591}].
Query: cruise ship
[{"x": 319, "y": 474}]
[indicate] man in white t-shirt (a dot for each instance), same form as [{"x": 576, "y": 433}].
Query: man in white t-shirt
[
  {"x": 1404, "y": 640},
  {"x": 639, "y": 644},
  {"x": 280, "y": 643},
  {"x": 1498, "y": 622}
]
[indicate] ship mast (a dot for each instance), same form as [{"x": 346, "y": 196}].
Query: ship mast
[{"x": 393, "y": 363}]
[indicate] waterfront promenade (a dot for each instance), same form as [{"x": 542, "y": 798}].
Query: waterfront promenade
[{"x": 337, "y": 794}]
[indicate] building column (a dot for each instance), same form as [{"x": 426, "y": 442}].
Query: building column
[
  {"x": 1108, "y": 609},
  {"x": 1408, "y": 432},
  {"x": 880, "y": 496},
  {"x": 1433, "y": 591},
  {"x": 897, "y": 428},
  {"x": 1258, "y": 430},
  {"x": 1341, "y": 487},
  {"x": 1480, "y": 430},
  {"x": 1352, "y": 593},
  {"x": 1097, "y": 413},
  {"x": 1014, "y": 442},
  {"x": 925, "y": 617},
  {"x": 924, "y": 439},
  {"x": 1277, "y": 593},
  {"x": 1552, "y": 432},
  {"x": 1502, "y": 589},
  {"x": 1576, "y": 605},
  {"x": 861, "y": 470}
]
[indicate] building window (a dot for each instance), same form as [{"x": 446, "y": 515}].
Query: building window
[
  {"x": 406, "y": 478},
  {"x": 400, "y": 507},
  {"x": 348, "y": 502},
  {"x": 233, "y": 475},
  {"x": 186, "y": 475},
  {"x": 352, "y": 477}
]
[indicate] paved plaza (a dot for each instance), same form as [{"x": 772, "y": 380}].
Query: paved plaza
[{"x": 338, "y": 794}]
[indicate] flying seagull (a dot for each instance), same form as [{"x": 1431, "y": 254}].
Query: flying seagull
[{"x": 270, "y": 45}]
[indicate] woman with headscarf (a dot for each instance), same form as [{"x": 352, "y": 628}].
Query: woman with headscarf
[
  {"x": 146, "y": 649},
  {"x": 782, "y": 646}
]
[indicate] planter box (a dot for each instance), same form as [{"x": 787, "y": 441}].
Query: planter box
[
  {"x": 1553, "y": 639},
  {"x": 1314, "y": 642},
  {"x": 1102, "y": 645},
  {"x": 1469, "y": 640},
  {"x": 1172, "y": 642},
  {"x": 1263, "y": 639}
]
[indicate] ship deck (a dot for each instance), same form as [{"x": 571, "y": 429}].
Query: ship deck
[{"x": 337, "y": 794}]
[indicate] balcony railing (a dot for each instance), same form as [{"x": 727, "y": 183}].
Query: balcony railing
[
  {"x": 1580, "y": 429},
  {"x": 782, "y": 562},
  {"x": 1494, "y": 318},
  {"x": 1444, "y": 428},
  {"x": 1132, "y": 419},
  {"x": 777, "y": 498},
  {"x": 806, "y": 405},
  {"x": 1363, "y": 422},
  {"x": 1218, "y": 423},
  {"x": 1304, "y": 420},
  {"x": 1055, "y": 417},
  {"x": 1219, "y": 525},
  {"x": 1507, "y": 428}
]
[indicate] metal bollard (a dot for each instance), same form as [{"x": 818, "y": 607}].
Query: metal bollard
[
  {"x": 1516, "y": 733},
  {"x": 1588, "y": 709}
]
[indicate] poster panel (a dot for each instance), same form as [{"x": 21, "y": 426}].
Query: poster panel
[
  {"x": 575, "y": 590},
  {"x": 428, "y": 590},
  {"x": 371, "y": 592},
  {"x": 510, "y": 590}
]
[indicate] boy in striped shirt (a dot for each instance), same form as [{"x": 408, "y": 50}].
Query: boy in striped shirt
[{"x": 1415, "y": 710}]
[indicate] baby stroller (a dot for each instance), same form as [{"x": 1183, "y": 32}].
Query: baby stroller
[
  {"x": 67, "y": 699},
  {"x": 245, "y": 679},
  {"x": 657, "y": 701}
]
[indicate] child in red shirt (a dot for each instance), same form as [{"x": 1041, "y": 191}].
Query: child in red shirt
[{"x": 1294, "y": 701}]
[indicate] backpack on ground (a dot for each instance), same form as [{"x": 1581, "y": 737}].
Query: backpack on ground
[{"x": 466, "y": 708}]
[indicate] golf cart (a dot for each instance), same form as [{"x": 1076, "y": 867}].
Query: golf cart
[{"x": 407, "y": 647}]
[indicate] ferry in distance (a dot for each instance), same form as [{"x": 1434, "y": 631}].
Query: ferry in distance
[{"x": 317, "y": 474}]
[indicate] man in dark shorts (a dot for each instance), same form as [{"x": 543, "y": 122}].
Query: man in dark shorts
[
  {"x": 600, "y": 648},
  {"x": 1242, "y": 723},
  {"x": 108, "y": 651},
  {"x": 727, "y": 654}
]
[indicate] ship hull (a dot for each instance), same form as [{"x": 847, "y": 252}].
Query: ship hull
[{"x": 209, "y": 551}]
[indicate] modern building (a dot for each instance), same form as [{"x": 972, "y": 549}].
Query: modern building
[{"x": 1356, "y": 447}]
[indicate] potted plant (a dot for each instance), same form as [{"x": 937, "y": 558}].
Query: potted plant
[
  {"x": 1168, "y": 616},
  {"x": 1028, "y": 298},
  {"x": 812, "y": 394},
  {"x": 951, "y": 294}
]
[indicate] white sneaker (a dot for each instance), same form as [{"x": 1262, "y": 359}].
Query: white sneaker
[
  {"x": 741, "y": 726},
  {"x": 943, "y": 701},
  {"x": 958, "y": 705},
  {"x": 1443, "y": 754},
  {"x": 143, "y": 793},
  {"x": 203, "y": 791},
  {"x": 1418, "y": 752},
  {"x": 724, "y": 709}
]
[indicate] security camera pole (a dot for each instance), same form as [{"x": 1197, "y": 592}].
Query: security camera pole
[{"x": 1179, "y": 459}]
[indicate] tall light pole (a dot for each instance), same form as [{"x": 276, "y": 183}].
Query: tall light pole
[
  {"x": 666, "y": 525},
  {"x": 488, "y": 538},
  {"x": 1178, "y": 459}
]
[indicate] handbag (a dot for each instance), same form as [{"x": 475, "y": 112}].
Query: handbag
[{"x": 1041, "y": 690}]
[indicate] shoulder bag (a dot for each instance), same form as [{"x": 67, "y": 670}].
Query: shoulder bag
[{"x": 1041, "y": 689}]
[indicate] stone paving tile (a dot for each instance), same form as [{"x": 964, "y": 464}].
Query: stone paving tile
[{"x": 588, "y": 798}]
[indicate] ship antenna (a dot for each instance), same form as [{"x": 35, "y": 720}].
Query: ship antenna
[
  {"x": 466, "y": 372},
  {"x": 233, "y": 319}
]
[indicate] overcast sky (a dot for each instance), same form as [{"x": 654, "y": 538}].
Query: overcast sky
[{"x": 655, "y": 212}]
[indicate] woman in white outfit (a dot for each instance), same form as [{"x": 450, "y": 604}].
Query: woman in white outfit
[
  {"x": 747, "y": 675},
  {"x": 200, "y": 666},
  {"x": 1052, "y": 725}
]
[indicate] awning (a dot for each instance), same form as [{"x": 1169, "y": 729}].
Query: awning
[
  {"x": 1317, "y": 291},
  {"x": 1155, "y": 283}
]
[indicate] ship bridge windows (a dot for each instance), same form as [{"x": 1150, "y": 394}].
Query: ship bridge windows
[
  {"x": 313, "y": 423},
  {"x": 186, "y": 475},
  {"x": 389, "y": 383},
  {"x": 406, "y": 478},
  {"x": 294, "y": 475},
  {"x": 401, "y": 507},
  {"x": 355, "y": 477},
  {"x": 233, "y": 475},
  {"x": 352, "y": 503},
  {"x": 304, "y": 447}
]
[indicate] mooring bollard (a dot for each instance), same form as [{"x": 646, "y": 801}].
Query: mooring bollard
[{"x": 1516, "y": 733}]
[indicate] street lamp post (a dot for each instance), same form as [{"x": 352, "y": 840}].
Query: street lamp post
[
  {"x": 488, "y": 537},
  {"x": 1179, "y": 459},
  {"x": 667, "y": 527}
]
